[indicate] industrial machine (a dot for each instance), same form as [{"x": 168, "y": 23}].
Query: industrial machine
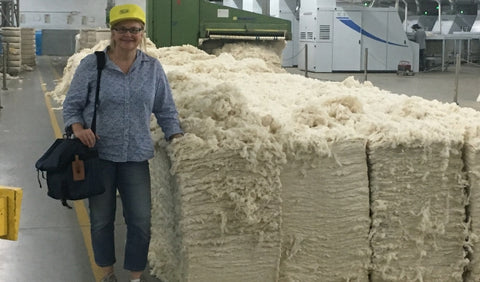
[
  {"x": 284, "y": 9},
  {"x": 290, "y": 10},
  {"x": 336, "y": 38},
  {"x": 208, "y": 25}
]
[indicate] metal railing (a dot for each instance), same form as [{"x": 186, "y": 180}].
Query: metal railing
[{"x": 4, "y": 56}]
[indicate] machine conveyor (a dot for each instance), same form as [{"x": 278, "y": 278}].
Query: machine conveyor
[{"x": 173, "y": 22}]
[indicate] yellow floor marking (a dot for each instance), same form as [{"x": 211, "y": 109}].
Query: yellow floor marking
[
  {"x": 80, "y": 209},
  {"x": 53, "y": 119}
]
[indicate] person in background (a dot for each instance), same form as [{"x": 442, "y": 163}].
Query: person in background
[
  {"x": 420, "y": 37},
  {"x": 132, "y": 87}
]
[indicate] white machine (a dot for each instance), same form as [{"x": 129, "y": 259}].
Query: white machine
[
  {"x": 336, "y": 38},
  {"x": 289, "y": 10}
]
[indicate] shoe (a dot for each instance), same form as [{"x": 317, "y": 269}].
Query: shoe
[
  {"x": 109, "y": 278},
  {"x": 142, "y": 279}
]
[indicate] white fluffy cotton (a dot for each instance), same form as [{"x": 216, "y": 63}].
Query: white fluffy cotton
[{"x": 285, "y": 178}]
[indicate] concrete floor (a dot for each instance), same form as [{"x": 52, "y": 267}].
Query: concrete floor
[{"x": 52, "y": 244}]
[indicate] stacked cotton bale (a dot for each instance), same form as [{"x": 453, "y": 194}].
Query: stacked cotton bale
[
  {"x": 277, "y": 173},
  {"x": 164, "y": 244},
  {"x": 88, "y": 38},
  {"x": 472, "y": 163},
  {"x": 315, "y": 235},
  {"x": 424, "y": 241},
  {"x": 85, "y": 39},
  {"x": 228, "y": 196},
  {"x": 28, "y": 47},
  {"x": 12, "y": 36},
  {"x": 228, "y": 211},
  {"x": 101, "y": 34},
  {"x": 326, "y": 224},
  {"x": 417, "y": 185},
  {"x": 227, "y": 193}
]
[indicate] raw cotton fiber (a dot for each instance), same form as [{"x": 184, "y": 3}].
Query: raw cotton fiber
[
  {"x": 285, "y": 178},
  {"x": 325, "y": 214},
  {"x": 164, "y": 237},
  {"x": 418, "y": 213},
  {"x": 472, "y": 162}
]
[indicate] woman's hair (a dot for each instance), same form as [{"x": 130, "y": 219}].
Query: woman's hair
[{"x": 143, "y": 42}]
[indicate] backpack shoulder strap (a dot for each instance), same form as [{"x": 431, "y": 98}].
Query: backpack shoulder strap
[
  {"x": 100, "y": 64},
  {"x": 100, "y": 59}
]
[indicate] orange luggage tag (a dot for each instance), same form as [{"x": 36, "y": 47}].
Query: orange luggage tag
[{"x": 78, "y": 169}]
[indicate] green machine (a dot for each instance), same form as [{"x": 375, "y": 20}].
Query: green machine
[{"x": 201, "y": 23}]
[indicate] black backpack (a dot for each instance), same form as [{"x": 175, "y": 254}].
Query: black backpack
[{"x": 72, "y": 169}]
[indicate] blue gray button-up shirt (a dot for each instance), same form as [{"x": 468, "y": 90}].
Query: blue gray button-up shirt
[{"x": 126, "y": 104}]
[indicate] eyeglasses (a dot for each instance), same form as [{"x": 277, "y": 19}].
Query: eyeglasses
[{"x": 132, "y": 30}]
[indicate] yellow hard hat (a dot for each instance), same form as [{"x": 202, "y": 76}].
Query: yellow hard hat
[{"x": 126, "y": 12}]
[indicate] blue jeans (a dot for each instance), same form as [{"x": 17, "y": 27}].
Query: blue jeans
[{"x": 132, "y": 179}]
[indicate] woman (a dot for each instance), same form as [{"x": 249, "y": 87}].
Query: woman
[{"x": 132, "y": 87}]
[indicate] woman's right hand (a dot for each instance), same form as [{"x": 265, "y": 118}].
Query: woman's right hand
[{"x": 86, "y": 136}]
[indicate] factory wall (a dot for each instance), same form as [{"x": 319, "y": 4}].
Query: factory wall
[
  {"x": 66, "y": 14},
  {"x": 58, "y": 21}
]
